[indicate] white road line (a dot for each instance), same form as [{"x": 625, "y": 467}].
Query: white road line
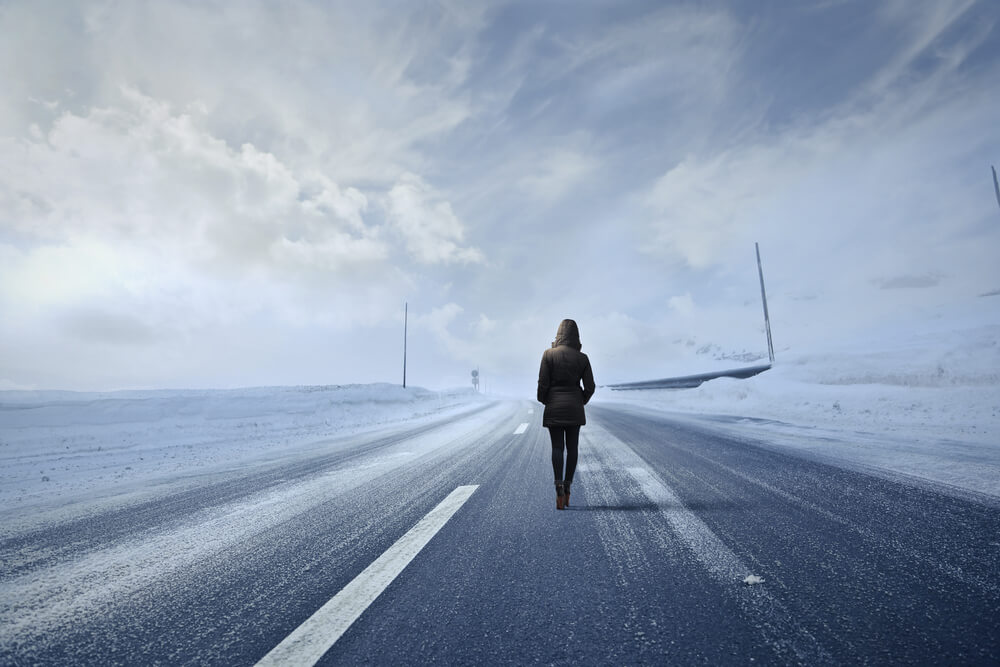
[
  {"x": 781, "y": 629},
  {"x": 707, "y": 548},
  {"x": 308, "y": 642},
  {"x": 531, "y": 411},
  {"x": 710, "y": 551},
  {"x": 521, "y": 429}
]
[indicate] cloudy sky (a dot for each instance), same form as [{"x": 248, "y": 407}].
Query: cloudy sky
[{"x": 221, "y": 194}]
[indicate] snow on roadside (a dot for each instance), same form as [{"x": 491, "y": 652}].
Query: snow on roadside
[
  {"x": 60, "y": 446},
  {"x": 54, "y": 593},
  {"x": 923, "y": 403}
]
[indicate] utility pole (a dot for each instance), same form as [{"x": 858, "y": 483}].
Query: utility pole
[
  {"x": 405, "y": 312},
  {"x": 996, "y": 185},
  {"x": 763, "y": 299}
]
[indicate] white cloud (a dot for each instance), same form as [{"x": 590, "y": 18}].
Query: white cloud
[
  {"x": 429, "y": 228},
  {"x": 439, "y": 322},
  {"x": 471, "y": 340},
  {"x": 700, "y": 209},
  {"x": 347, "y": 88},
  {"x": 682, "y": 305},
  {"x": 439, "y": 319},
  {"x": 553, "y": 173},
  {"x": 857, "y": 177},
  {"x": 484, "y": 325},
  {"x": 274, "y": 180},
  {"x": 682, "y": 53},
  {"x": 142, "y": 171},
  {"x": 921, "y": 23},
  {"x": 133, "y": 224}
]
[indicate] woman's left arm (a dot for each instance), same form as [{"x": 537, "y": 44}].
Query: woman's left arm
[{"x": 543, "y": 381}]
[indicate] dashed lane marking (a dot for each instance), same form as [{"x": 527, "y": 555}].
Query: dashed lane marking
[
  {"x": 521, "y": 429},
  {"x": 311, "y": 640}
]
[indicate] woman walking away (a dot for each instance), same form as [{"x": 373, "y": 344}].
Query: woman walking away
[{"x": 563, "y": 367}]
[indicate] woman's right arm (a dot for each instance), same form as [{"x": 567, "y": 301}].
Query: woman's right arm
[{"x": 588, "y": 380}]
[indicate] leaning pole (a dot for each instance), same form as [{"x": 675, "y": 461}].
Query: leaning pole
[
  {"x": 763, "y": 299},
  {"x": 996, "y": 185}
]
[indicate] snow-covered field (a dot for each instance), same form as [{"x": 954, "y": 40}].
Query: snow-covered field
[
  {"x": 921, "y": 400},
  {"x": 59, "y": 447}
]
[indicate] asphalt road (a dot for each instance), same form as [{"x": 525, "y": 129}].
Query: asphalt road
[{"x": 647, "y": 566}]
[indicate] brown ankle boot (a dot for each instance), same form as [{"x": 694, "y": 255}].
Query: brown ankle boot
[
  {"x": 565, "y": 494},
  {"x": 560, "y": 497}
]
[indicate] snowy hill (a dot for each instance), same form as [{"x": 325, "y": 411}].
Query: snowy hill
[
  {"x": 921, "y": 400},
  {"x": 55, "y": 444},
  {"x": 945, "y": 385}
]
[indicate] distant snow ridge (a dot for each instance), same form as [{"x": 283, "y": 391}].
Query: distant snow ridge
[
  {"x": 969, "y": 358},
  {"x": 939, "y": 377}
]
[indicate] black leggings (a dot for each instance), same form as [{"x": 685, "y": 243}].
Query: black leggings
[{"x": 570, "y": 437}]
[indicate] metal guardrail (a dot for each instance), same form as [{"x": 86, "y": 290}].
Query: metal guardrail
[{"x": 690, "y": 381}]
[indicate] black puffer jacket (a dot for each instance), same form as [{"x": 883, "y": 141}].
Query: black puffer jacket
[{"x": 563, "y": 367}]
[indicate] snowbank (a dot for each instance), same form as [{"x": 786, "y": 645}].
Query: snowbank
[
  {"x": 924, "y": 404},
  {"x": 57, "y": 445}
]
